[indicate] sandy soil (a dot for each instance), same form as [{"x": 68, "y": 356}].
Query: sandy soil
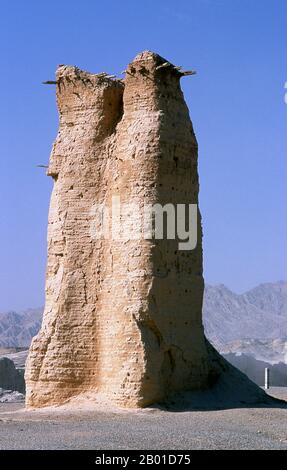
[{"x": 151, "y": 428}]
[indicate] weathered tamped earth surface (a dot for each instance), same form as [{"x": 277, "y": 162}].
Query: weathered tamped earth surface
[
  {"x": 149, "y": 428},
  {"x": 123, "y": 318}
]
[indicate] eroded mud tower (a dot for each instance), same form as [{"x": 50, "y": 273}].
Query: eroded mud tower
[{"x": 123, "y": 318}]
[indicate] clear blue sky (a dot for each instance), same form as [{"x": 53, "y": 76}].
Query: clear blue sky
[{"x": 239, "y": 49}]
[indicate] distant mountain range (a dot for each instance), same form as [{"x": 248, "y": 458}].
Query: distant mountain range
[
  {"x": 18, "y": 328},
  {"x": 260, "y": 313},
  {"x": 253, "y": 323}
]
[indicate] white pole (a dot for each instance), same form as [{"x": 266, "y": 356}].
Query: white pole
[{"x": 267, "y": 378}]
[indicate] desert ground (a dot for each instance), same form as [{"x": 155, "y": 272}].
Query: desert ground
[{"x": 262, "y": 427}]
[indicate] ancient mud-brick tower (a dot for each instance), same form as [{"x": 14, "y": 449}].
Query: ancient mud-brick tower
[{"x": 123, "y": 318}]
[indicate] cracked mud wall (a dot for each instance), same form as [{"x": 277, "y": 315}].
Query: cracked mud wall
[{"x": 122, "y": 318}]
